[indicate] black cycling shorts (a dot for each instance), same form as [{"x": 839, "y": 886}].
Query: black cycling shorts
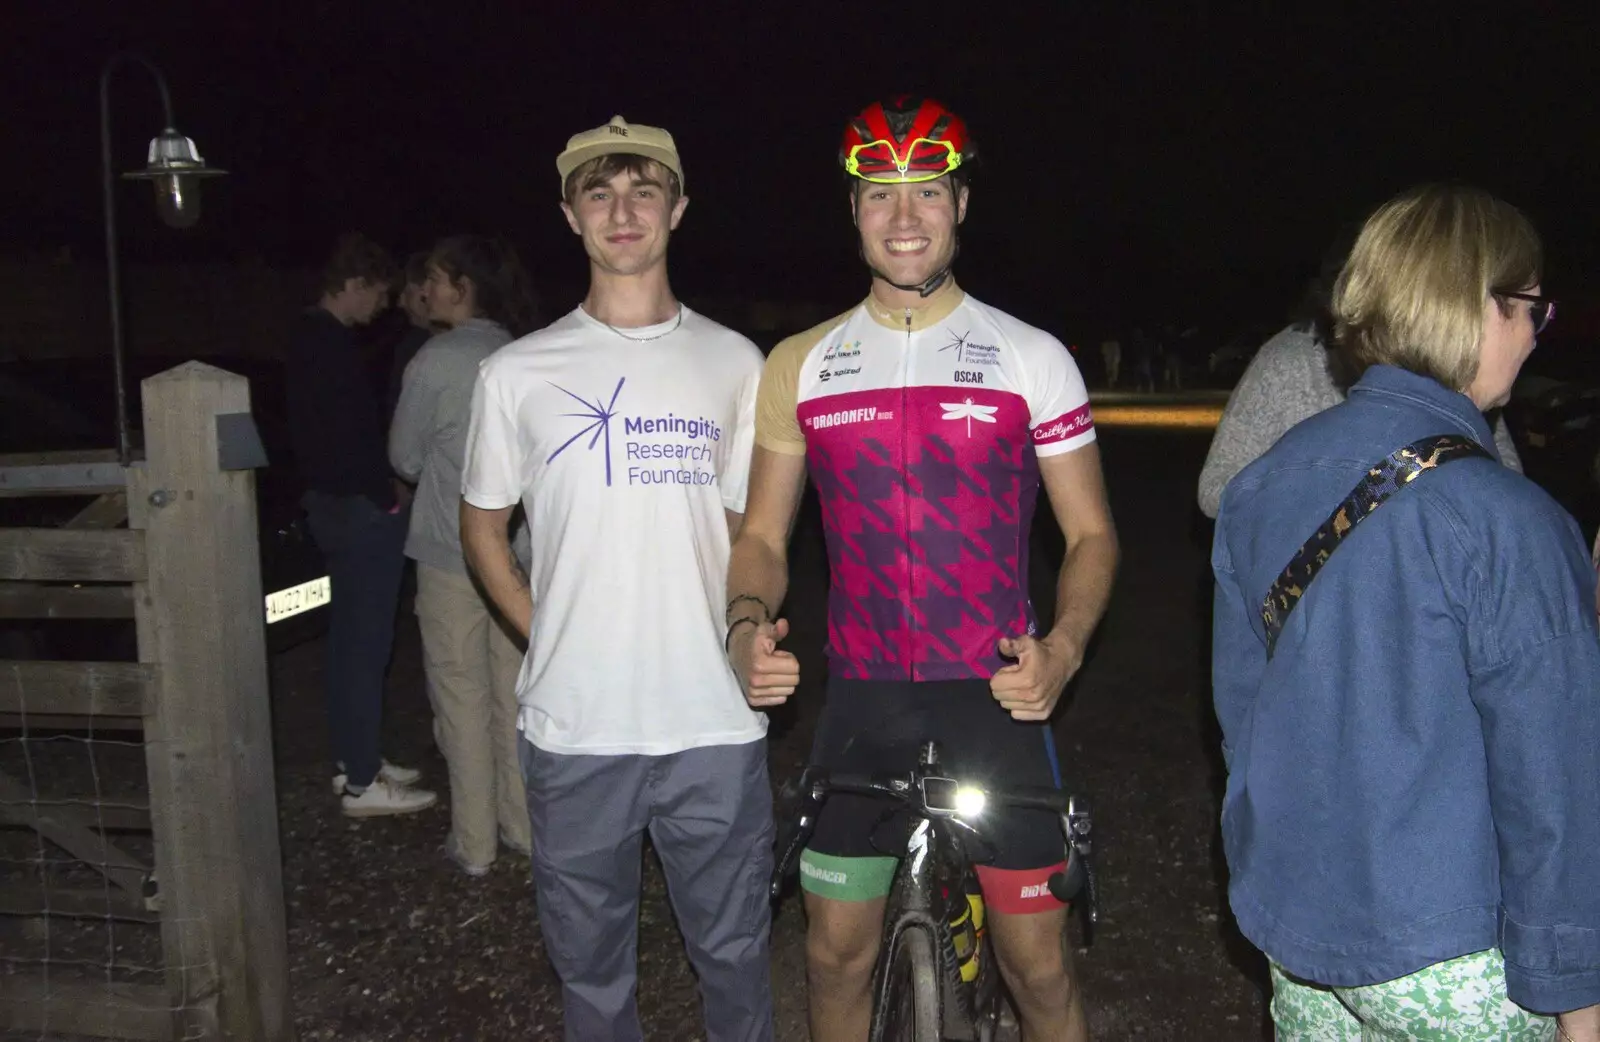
[{"x": 874, "y": 727}]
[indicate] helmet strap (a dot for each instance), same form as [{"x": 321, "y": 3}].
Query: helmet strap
[{"x": 928, "y": 286}]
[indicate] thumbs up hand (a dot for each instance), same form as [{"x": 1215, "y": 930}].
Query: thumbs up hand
[{"x": 1031, "y": 686}]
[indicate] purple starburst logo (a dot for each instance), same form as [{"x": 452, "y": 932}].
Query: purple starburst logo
[{"x": 599, "y": 415}]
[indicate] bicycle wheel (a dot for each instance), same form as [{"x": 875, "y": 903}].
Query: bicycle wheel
[{"x": 909, "y": 1010}]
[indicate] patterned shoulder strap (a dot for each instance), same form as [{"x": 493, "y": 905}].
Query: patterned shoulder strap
[{"x": 1382, "y": 480}]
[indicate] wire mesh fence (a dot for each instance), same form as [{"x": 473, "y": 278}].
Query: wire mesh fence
[
  {"x": 80, "y": 901},
  {"x": 81, "y": 945}
]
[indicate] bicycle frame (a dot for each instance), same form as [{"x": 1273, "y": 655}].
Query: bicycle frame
[{"x": 932, "y": 863}]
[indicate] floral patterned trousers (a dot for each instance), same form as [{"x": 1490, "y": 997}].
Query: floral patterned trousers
[{"x": 1461, "y": 1000}]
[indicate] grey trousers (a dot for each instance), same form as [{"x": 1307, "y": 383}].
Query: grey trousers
[{"x": 709, "y": 814}]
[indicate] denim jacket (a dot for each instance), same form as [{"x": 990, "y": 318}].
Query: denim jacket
[{"x": 1415, "y": 774}]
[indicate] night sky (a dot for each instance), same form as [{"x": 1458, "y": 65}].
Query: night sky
[{"x": 1185, "y": 161}]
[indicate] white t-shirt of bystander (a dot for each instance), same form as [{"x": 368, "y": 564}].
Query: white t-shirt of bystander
[{"x": 624, "y": 448}]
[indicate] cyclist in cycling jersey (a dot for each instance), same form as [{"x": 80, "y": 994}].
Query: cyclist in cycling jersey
[{"x": 928, "y": 421}]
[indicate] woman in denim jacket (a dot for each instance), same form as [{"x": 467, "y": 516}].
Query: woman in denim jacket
[{"x": 1412, "y": 818}]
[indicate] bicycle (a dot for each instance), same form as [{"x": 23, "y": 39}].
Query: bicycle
[{"x": 925, "y": 988}]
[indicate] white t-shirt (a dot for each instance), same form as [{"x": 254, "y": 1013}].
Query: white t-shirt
[{"x": 624, "y": 453}]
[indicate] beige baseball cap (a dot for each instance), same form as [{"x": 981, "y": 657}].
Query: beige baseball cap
[{"x": 620, "y": 136}]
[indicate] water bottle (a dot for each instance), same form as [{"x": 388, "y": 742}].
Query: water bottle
[{"x": 966, "y": 927}]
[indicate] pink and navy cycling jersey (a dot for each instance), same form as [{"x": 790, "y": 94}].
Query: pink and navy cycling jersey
[{"x": 922, "y": 430}]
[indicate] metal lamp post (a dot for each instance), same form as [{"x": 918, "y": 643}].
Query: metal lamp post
[{"x": 175, "y": 168}]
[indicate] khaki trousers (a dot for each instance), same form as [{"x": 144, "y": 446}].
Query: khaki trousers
[{"x": 472, "y": 664}]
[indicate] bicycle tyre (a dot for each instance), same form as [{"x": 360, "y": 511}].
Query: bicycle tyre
[{"x": 911, "y": 995}]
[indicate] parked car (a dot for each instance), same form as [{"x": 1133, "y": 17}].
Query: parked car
[{"x": 68, "y": 404}]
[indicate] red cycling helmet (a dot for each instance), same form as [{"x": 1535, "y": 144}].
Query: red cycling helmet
[{"x": 903, "y": 139}]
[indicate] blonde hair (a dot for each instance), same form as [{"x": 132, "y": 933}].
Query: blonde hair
[
  {"x": 601, "y": 169},
  {"x": 1412, "y": 292}
]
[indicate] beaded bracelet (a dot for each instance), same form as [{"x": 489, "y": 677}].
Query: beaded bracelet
[{"x": 766, "y": 612}]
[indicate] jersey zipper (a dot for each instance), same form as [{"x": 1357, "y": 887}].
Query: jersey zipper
[{"x": 905, "y": 514}]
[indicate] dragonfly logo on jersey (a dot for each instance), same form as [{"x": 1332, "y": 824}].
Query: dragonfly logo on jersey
[
  {"x": 966, "y": 410},
  {"x": 599, "y": 413}
]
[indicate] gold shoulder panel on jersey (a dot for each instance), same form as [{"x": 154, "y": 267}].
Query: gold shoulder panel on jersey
[{"x": 777, "y": 402}]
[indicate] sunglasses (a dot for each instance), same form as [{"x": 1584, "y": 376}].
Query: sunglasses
[
  {"x": 925, "y": 159},
  {"x": 1540, "y": 309}
]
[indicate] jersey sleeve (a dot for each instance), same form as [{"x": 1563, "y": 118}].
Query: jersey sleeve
[
  {"x": 778, "y": 401},
  {"x": 735, "y": 480},
  {"x": 1058, "y": 401},
  {"x": 491, "y": 478}
]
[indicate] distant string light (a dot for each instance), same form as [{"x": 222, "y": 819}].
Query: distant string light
[{"x": 1185, "y": 415}]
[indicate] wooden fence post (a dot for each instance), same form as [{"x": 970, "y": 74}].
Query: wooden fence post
[{"x": 213, "y": 799}]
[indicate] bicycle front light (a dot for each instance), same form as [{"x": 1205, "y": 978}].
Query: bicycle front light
[{"x": 970, "y": 802}]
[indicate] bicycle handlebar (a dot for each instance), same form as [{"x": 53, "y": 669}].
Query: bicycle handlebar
[{"x": 902, "y": 787}]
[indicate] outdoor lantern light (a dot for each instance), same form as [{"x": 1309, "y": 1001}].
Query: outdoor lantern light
[{"x": 175, "y": 169}]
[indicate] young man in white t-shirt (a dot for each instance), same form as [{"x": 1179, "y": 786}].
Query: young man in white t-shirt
[{"x": 625, "y": 431}]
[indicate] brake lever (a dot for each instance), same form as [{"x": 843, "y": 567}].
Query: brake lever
[
  {"x": 1090, "y": 907},
  {"x": 1077, "y": 885},
  {"x": 1079, "y": 826},
  {"x": 808, "y": 796}
]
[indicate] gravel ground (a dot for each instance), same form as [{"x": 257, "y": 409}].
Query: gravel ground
[{"x": 389, "y": 941}]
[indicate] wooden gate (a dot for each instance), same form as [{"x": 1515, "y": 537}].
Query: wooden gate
[{"x": 186, "y": 571}]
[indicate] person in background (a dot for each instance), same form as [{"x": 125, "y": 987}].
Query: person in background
[
  {"x": 1171, "y": 350},
  {"x": 418, "y": 328},
  {"x": 1144, "y": 361},
  {"x": 1411, "y": 733},
  {"x": 356, "y": 507},
  {"x": 477, "y": 291},
  {"x": 1111, "y": 356},
  {"x": 1294, "y": 375}
]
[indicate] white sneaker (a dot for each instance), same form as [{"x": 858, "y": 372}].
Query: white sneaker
[
  {"x": 385, "y": 797},
  {"x": 453, "y": 851},
  {"x": 389, "y": 772}
]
